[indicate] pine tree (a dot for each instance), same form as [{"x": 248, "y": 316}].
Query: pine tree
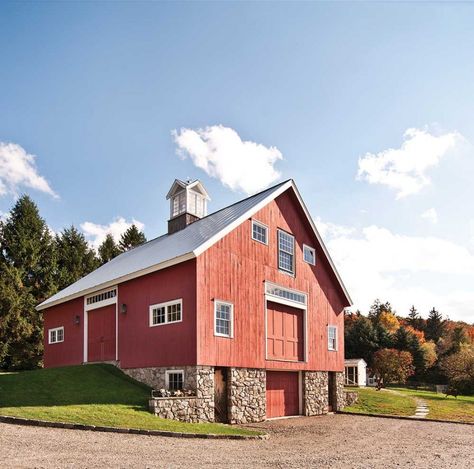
[
  {"x": 108, "y": 249},
  {"x": 435, "y": 326},
  {"x": 28, "y": 267},
  {"x": 414, "y": 319},
  {"x": 377, "y": 309},
  {"x": 360, "y": 339},
  {"x": 74, "y": 257},
  {"x": 131, "y": 238}
]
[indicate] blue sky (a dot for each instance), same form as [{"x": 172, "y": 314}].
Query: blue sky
[{"x": 94, "y": 91}]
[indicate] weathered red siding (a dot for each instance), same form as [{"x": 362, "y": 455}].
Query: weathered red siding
[
  {"x": 69, "y": 352},
  {"x": 235, "y": 268},
  {"x": 170, "y": 344}
]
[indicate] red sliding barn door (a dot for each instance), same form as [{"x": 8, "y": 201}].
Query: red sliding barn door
[
  {"x": 282, "y": 394},
  {"x": 101, "y": 334},
  {"x": 285, "y": 336}
]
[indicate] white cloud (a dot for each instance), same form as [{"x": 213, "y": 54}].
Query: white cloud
[
  {"x": 405, "y": 270},
  {"x": 219, "y": 151},
  {"x": 431, "y": 215},
  {"x": 96, "y": 233},
  {"x": 18, "y": 169},
  {"x": 405, "y": 169}
]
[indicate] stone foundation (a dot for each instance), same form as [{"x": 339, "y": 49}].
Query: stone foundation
[
  {"x": 186, "y": 409},
  {"x": 350, "y": 397},
  {"x": 340, "y": 394},
  {"x": 246, "y": 395},
  {"x": 155, "y": 377},
  {"x": 315, "y": 392}
]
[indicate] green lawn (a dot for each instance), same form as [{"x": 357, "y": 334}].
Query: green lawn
[
  {"x": 382, "y": 402},
  {"x": 445, "y": 408},
  {"x": 93, "y": 395}
]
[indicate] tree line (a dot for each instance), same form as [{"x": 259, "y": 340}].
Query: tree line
[
  {"x": 35, "y": 264},
  {"x": 400, "y": 349}
]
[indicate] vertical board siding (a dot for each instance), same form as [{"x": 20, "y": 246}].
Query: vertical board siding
[
  {"x": 235, "y": 269},
  {"x": 71, "y": 351},
  {"x": 171, "y": 344},
  {"x": 101, "y": 334}
]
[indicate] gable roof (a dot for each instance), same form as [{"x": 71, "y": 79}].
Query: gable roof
[{"x": 171, "y": 249}]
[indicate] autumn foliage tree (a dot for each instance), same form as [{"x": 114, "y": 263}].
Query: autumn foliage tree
[
  {"x": 392, "y": 366},
  {"x": 459, "y": 368}
]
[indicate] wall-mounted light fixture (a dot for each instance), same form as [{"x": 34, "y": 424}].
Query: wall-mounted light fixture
[
  {"x": 123, "y": 308},
  {"x": 77, "y": 319}
]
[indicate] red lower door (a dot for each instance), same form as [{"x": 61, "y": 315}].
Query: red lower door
[
  {"x": 282, "y": 394},
  {"x": 101, "y": 334}
]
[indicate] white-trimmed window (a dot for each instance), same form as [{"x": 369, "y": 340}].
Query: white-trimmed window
[
  {"x": 56, "y": 335},
  {"x": 174, "y": 380},
  {"x": 166, "y": 313},
  {"x": 286, "y": 252},
  {"x": 332, "y": 338},
  {"x": 259, "y": 232},
  {"x": 309, "y": 254},
  {"x": 223, "y": 319}
]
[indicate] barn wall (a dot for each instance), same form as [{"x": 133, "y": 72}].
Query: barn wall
[
  {"x": 167, "y": 345},
  {"x": 69, "y": 352},
  {"x": 235, "y": 268}
]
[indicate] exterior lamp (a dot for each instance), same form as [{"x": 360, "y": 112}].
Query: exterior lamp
[
  {"x": 123, "y": 308},
  {"x": 77, "y": 319}
]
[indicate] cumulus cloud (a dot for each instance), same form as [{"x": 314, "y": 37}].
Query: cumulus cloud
[
  {"x": 405, "y": 169},
  {"x": 239, "y": 164},
  {"x": 405, "y": 270},
  {"x": 96, "y": 233},
  {"x": 18, "y": 169},
  {"x": 431, "y": 215}
]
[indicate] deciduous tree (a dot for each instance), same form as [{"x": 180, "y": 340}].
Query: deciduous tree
[{"x": 393, "y": 366}]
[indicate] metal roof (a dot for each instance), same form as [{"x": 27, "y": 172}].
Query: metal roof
[{"x": 171, "y": 249}]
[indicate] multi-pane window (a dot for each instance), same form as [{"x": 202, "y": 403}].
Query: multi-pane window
[
  {"x": 224, "y": 313},
  {"x": 286, "y": 252},
  {"x": 286, "y": 293},
  {"x": 309, "y": 254},
  {"x": 174, "y": 380},
  {"x": 165, "y": 313},
  {"x": 332, "y": 338},
  {"x": 56, "y": 335},
  {"x": 259, "y": 232},
  {"x": 351, "y": 376},
  {"x": 179, "y": 203}
]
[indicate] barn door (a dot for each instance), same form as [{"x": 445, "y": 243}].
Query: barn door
[
  {"x": 101, "y": 334},
  {"x": 220, "y": 395}
]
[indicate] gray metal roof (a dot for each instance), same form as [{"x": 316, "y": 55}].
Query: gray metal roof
[{"x": 167, "y": 249}]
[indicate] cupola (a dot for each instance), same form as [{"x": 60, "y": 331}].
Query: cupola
[{"x": 188, "y": 203}]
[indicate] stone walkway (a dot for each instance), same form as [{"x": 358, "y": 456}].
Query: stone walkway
[{"x": 422, "y": 409}]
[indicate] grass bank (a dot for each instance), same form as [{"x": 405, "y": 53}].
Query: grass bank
[
  {"x": 92, "y": 395},
  {"x": 381, "y": 402}
]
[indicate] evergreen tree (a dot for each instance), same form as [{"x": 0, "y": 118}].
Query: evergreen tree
[
  {"x": 435, "y": 326},
  {"x": 360, "y": 339},
  {"x": 402, "y": 339},
  {"x": 457, "y": 339},
  {"x": 74, "y": 257},
  {"x": 27, "y": 277},
  {"x": 131, "y": 238},
  {"x": 108, "y": 249},
  {"x": 414, "y": 319},
  {"x": 384, "y": 338},
  {"x": 377, "y": 309}
]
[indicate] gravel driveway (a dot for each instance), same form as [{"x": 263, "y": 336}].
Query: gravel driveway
[{"x": 340, "y": 441}]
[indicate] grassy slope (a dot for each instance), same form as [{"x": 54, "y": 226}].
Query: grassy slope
[
  {"x": 92, "y": 394},
  {"x": 445, "y": 408},
  {"x": 382, "y": 402}
]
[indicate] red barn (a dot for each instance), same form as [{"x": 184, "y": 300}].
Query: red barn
[{"x": 244, "y": 307}]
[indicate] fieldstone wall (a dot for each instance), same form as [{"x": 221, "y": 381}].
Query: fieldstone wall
[
  {"x": 350, "y": 397},
  {"x": 315, "y": 393},
  {"x": 199, "y": 408},
  {"x": 247, "y": 395},
  {"x": 340, "y": 394},
  {"x": 156, "y": 376},
  {"x": 186, "y": 409}
]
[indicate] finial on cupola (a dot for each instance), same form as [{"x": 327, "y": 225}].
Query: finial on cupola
[{"x": 188, "y": 203}]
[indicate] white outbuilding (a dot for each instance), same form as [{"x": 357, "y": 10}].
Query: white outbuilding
[{"x": 355, "y": 372}]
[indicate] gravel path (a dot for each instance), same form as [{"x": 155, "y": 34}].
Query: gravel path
[{"x": 336, "y": 441}]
